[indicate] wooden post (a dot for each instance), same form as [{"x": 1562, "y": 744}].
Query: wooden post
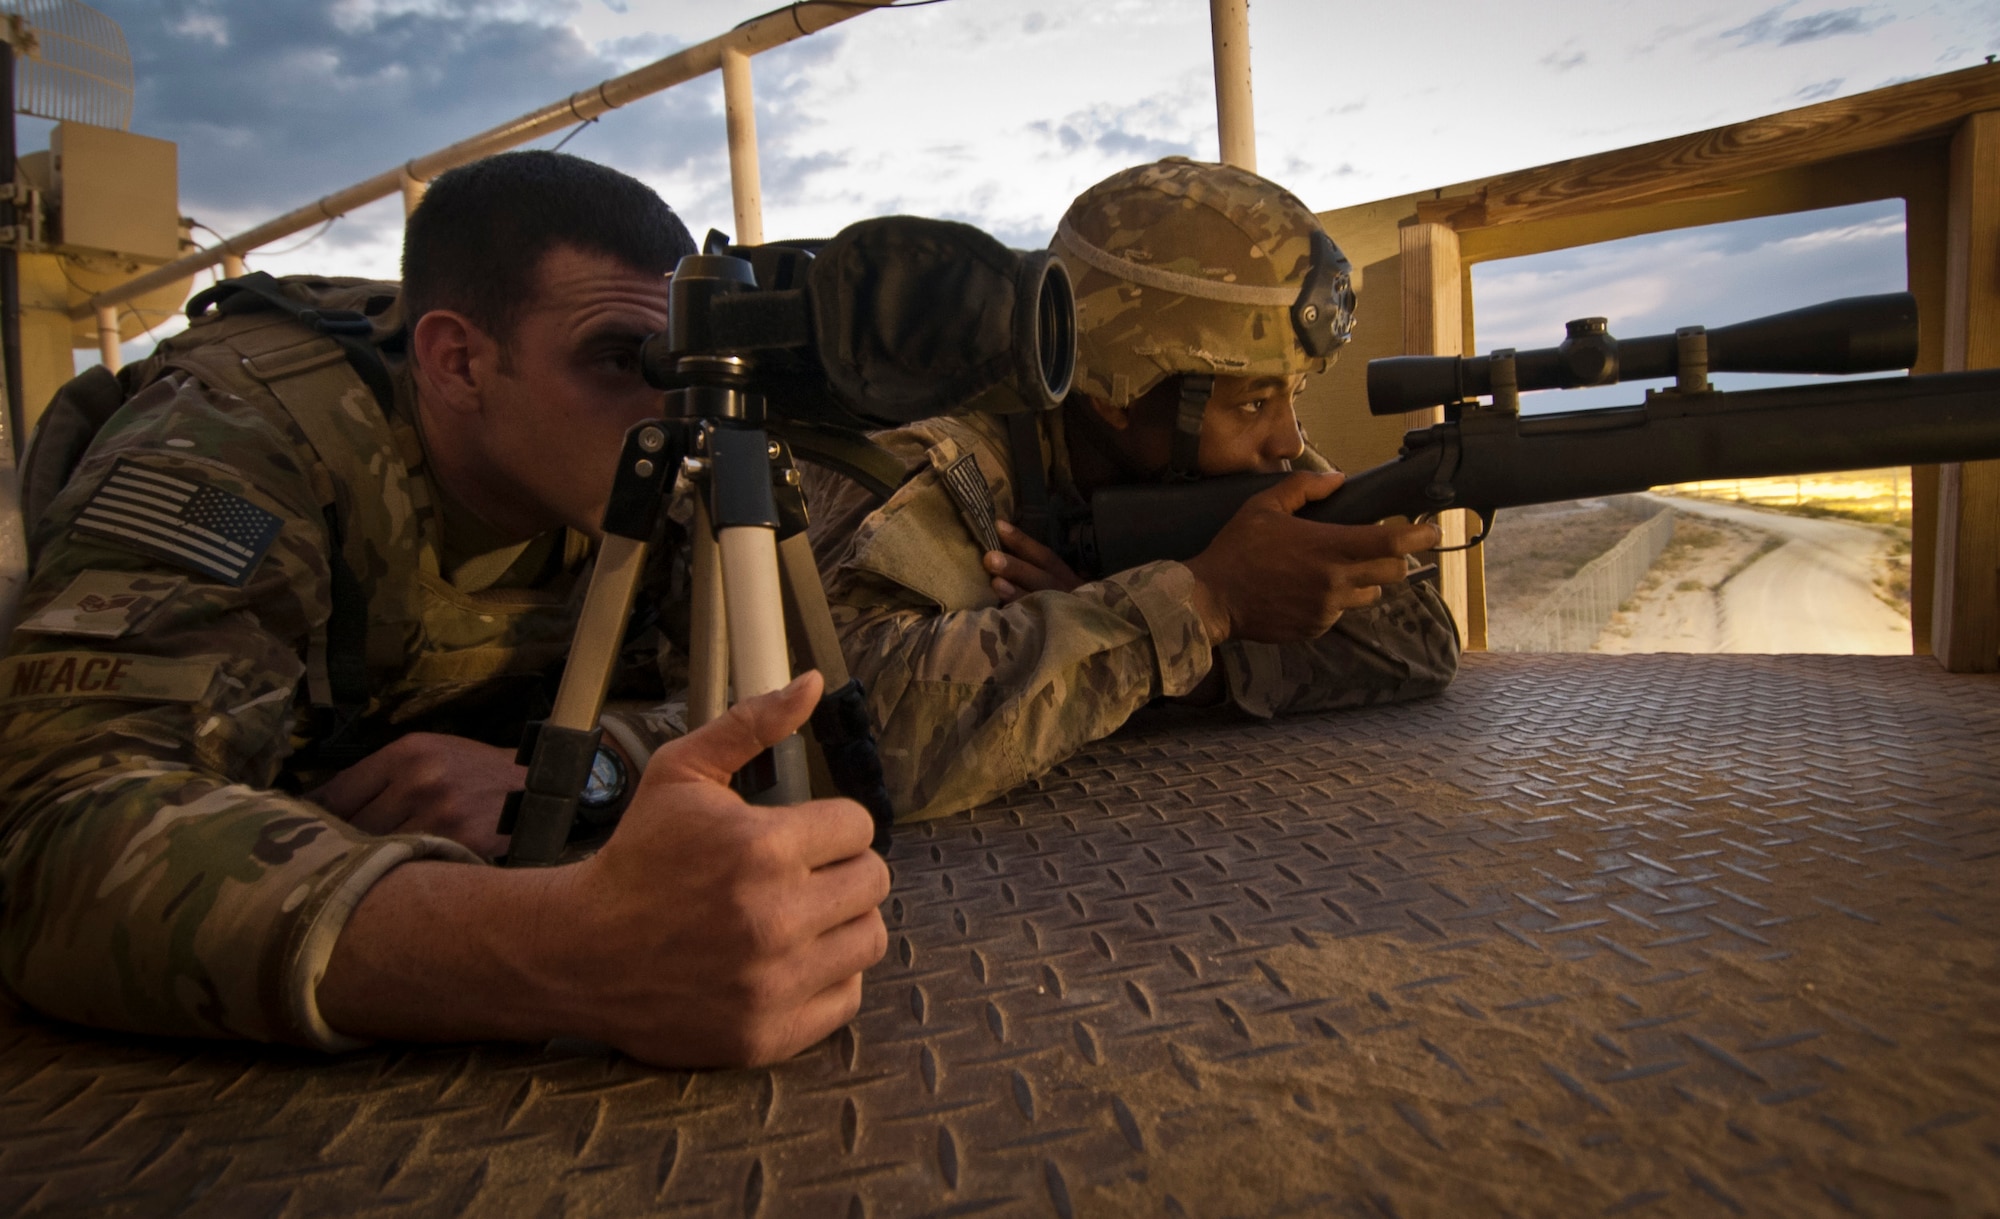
[
  {"x": 1434, "y": 324},
  {"x": 232, "y": 266},
  {"x": 746, "y": 183},
  {"x": 1235, "y": 118},
  {"x": 1965, "y": 611}
]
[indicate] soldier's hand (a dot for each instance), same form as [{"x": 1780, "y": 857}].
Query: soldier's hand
[
  {"x": 1271, "y": 577},
  {"x": 1024, "y": 566},
  {"x": 714, "y": 931},
  {"x": 428, "y": 783}
]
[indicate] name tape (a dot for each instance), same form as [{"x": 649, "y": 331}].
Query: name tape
[{"x": 148, "y": 679}]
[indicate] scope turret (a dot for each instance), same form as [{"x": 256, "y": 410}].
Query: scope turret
[{"x": 1856, "y": 335}]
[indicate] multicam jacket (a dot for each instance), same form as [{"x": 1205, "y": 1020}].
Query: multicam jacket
[
  {"x": 971, "y": 698},
  {"x": 169, "y": 682}
]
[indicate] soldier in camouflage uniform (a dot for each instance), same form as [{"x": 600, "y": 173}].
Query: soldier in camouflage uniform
[
  {"x": 986, "y": 658},
  {"x": 261, "y": 560}
]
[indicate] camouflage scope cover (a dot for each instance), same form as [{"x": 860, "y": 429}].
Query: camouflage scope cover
[{"x": 1187, "y": 267}]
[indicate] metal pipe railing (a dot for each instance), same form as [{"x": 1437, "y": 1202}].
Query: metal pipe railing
[
  {"x": 773, "y": 29},
  {"x": 746, "y": 182},
  {"x": 1235, "y": 121}
]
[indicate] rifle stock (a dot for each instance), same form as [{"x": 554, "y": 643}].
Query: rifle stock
[{"x": 1492, "y": 458}]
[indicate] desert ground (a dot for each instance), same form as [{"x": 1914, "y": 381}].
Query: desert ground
[{"x": 1742, "y": 578}]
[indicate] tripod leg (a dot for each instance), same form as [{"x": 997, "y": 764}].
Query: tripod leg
[
  {"x": 708, "y": 633},
  {"x": 560, "y": 750},
  {"x": 807, "y": 612},
  {"x": 758, "y": 662},
  {"x": 600, "y": 631},
  {"x": 841, "y": 724}
]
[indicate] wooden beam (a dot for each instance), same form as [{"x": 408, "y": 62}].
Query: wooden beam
[
  {"x": 1965, "y": 623},
  {"x": 1433, "y": 313},
  {"x": 1686, "y": 166},
  {"x": 1926, "y": 192},
  {"x": 1434, "y": 324}
]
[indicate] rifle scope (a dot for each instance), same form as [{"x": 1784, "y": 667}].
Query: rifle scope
[{"x": 1855, "y": 335}]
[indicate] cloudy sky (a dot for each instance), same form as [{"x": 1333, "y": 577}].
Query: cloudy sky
[{"x": 997, "y": 112}]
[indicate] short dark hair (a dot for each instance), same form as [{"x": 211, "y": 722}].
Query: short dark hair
[{"x": 473, "y": 244}]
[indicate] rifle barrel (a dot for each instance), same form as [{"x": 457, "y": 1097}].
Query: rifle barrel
[{"x": 1490, "y": 459}]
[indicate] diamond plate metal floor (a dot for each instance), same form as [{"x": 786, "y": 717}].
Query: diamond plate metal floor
[{"x": 1652, "y": 934}]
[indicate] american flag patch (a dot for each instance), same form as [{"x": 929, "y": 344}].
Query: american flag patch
[
  {"x": 188, "y": 523},
  {"x": 966, "y": 485}
]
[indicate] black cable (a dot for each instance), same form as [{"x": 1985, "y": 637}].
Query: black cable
[
  {"x": 573, "y": 132},
  {"x": 321, "y": 232},
  {"x": 147, "y": 326},
  {"x": 215, "y": 269}
]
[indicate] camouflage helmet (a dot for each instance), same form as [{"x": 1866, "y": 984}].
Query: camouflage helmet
[{"x": 1187, "y": 267}]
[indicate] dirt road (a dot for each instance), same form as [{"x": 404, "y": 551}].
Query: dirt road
[{"x": 1813, "y": 593}]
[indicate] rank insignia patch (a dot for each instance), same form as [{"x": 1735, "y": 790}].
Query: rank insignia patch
[
  {"x": 966, "y": 484},
  {"x": 104, "y": 604},
  {"x": 191, "y": 524}
]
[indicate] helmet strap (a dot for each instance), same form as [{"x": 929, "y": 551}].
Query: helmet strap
[{"x": 1184, "y": 464}]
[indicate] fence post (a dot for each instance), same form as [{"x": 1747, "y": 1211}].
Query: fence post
[{"x": 1574, "y": 613}]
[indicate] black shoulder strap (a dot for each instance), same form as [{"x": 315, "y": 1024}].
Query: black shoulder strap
[
  {"x": 1031, "y": 482},
  {"x": 347, "y": 624},
  {"x": 353, "y": 331}
]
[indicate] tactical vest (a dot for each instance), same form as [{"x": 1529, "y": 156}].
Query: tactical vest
[{"x": 401, "y": 642}]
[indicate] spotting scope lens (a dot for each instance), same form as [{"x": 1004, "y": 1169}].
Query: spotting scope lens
[{"x": 1044, "y": 282}]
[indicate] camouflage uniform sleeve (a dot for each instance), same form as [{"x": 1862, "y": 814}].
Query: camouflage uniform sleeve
[
  {"x": 153, "y": 881},
  {"x": 1403, "y": 646},
  {"x": 970, "y": 702},
  {"x": 638, "y": 729}
]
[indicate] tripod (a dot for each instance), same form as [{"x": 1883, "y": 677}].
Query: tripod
[
  {"x": 894, "y": 318},
  {"x": 753, "y": 576}
]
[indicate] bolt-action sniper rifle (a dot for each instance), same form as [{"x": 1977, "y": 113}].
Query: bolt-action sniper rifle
[{"x": 1487, "y": 456}]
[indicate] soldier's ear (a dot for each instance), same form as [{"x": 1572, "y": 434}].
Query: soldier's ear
[{"x": 453, "y": 355}]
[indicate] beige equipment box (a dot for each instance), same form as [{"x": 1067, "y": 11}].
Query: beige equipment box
[{"x": 116, "y": 193}]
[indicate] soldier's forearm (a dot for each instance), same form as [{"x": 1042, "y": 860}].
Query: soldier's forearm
[
  {"x": 969, "y": 705},
  {"x": 447, "y": 952},
  {"x": 145, "y": 897},
  {"x": 1405, "y": 646}
]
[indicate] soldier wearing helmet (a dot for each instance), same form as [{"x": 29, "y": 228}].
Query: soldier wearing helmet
[{"x": 1205, "y": 295}]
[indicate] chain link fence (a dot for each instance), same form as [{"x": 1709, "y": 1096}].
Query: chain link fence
[{"x": 1571, "y": 617}]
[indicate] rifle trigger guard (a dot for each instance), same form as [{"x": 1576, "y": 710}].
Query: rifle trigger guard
[{"x": 1485, "y": 516}]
